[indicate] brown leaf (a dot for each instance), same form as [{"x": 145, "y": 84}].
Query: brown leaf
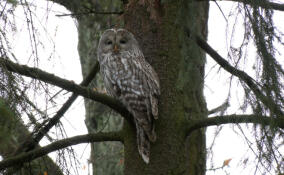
[{"x": 226, "y": 162}]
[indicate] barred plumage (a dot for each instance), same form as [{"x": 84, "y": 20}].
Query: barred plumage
[{"x": 131, "y": 79}]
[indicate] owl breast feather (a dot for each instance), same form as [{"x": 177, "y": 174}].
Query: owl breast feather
[{"x": 120, "y": 71}]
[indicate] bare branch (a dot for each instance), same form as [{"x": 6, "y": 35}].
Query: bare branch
[
  {"x": 220, "y": 108},
  {"x": 40, "y": 75},
  {"x": 250, "y": 82},
  {"x": 67, "y": 85},
  {"x": 29, "y": 156},
  {"x": 231, "y": 119}
]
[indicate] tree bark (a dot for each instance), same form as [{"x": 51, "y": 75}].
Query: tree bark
[
  {"x": 105, "y": 157},
  {"x": 159, "y": 27}
]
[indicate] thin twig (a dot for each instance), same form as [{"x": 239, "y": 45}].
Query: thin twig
[
  {"x": 221, "y": 10},
  {"x": 220, "y": 108}
]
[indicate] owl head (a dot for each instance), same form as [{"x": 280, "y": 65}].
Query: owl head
[{"x": 116, "y": 41}]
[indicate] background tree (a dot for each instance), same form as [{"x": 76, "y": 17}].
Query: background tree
[{"x": 172, "y": 35}]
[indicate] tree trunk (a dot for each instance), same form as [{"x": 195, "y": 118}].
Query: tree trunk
[
  {"x": 105, "y": 156},
  {"x": 160, "y": 29}
]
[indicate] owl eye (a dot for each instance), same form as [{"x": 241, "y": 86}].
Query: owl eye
[
  {"x": 109, "y": 42},
  {"x": 123, "y": 41}
]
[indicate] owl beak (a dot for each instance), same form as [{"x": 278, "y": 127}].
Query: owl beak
[{"x": 115, "y": 49}]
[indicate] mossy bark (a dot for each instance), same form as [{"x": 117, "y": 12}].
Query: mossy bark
[{"x": 160, "y": 27}]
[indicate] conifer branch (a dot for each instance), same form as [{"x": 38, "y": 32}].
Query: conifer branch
[
  {"x": 33, "y": 140},
  {"x": 263, "y": 3},
  {"x": 36, "y": 73},
  {"x": 233, "y": 119},
  {"x": 66, "y": 85},
  {"x": 39, "y": 152},
  {"x": 243, "y": 76}
]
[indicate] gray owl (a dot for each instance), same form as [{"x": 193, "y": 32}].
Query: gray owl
[{"x": 130, "y": 78}]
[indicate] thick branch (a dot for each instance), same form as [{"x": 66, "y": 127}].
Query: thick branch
[
  {"x": 41, "y": 75},
  {"x": 250, "y": 82},
  {"x": 232, "y": 119},
  {"x": 29, "y": 156},
  {"x": 67, "y": 85}
]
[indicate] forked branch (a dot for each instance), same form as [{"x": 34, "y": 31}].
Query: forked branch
[{"x": 67, "y": 85}]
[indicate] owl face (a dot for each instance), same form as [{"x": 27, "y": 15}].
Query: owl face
[{"x": 116, "y": 41}]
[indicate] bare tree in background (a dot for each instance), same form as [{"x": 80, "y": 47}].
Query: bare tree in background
[{"x": 172, "y": 35}]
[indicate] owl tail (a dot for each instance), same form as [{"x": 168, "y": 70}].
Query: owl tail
[{"x": 143, "y": 144}]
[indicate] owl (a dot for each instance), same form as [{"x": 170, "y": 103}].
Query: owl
[{"x": 129, "y": 78}]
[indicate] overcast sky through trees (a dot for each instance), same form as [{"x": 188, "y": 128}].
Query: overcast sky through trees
[{"x": 58, "y": 54}]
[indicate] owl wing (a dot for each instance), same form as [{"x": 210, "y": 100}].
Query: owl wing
[
  {"x": 153, "y": 84},
  {"x": 152, "y": 78}
]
